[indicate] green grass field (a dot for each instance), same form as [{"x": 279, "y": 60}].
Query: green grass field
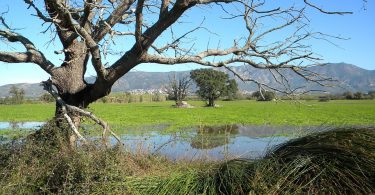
[{"x": 339, "y": 112}]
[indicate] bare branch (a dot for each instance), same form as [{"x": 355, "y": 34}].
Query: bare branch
[
  {"x": 38, "y": 12},
  {"x": 324, "y": 11},
  {"x": 116, "y": 16},
  {"x": 47, "y": 85}
]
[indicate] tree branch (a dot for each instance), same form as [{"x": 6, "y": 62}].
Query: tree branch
[
  {"x": 32, "y": 55},
  {"x": 324, "y": 11},
  {"x": 116, "y": 16},
  {"x": 55, "y": 9},
  {"x": 47, "y": 85},
  {"x": 163, "y": 8},
  {"x": 91, "y": 44},
  {"x": 139, "y": 20}
]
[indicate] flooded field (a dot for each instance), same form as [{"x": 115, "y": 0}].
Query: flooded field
[{"x": 195, "y": 143}]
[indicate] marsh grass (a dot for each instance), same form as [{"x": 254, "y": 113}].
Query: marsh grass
[{"x": 338, "y": 161}]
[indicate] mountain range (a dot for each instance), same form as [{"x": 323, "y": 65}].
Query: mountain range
[{"x": 349, "y": 78}]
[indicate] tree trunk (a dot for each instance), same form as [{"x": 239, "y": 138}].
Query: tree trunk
[
  {"x": 73, "y": 89},
  {"x": 211, "y": 102}
]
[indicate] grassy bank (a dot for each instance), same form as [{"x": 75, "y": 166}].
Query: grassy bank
[
  {"x": 339, "y": 112},
  {"x": 341, "y": 161}
]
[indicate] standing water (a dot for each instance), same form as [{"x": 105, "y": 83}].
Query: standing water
[{"x": 197, "y": 143}]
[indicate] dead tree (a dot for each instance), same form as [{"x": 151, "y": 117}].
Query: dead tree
[
  {"x": 178, "y": 88},
  {"x": 87, "y": 29}
]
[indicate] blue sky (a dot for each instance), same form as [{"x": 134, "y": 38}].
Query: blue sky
[{"x": 358, "y": 50}]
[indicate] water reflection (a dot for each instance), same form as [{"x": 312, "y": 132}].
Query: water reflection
[
  {"x": 208, "y": 137},
  {"x": 197, "y": 143},
  {"x": 207, "y": 143}
]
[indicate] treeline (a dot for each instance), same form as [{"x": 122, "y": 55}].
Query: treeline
[
  {"x": 358, "y": 95},
  {"x": 342, "y": 96}
]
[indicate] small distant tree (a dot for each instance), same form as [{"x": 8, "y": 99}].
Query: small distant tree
[
  {"x": 17, "y": 95},
  {"x": 178, "y": 89},
  {"x": 211, "y": 84},
  {"x": 46, "y": 98},
  {"x": 264, "y": 95}
]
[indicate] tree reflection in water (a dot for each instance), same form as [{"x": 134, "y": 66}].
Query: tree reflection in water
[{"x": 209, "y": 137}]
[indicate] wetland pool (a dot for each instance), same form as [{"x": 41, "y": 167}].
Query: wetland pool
[{"x": 195, "y": 143}]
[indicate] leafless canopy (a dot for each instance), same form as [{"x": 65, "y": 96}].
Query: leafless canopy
[
  {"x": 178, "y": 88},
  {"x": 276, "y": 38}
]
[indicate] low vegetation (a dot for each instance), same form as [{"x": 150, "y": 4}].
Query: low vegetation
[{"x": 340, "y": 161}]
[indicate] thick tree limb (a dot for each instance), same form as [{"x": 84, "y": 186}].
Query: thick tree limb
[
  {"x": 139, "y": 20},
  {"x": 134, "y": 56},
  {"x": 163, "y": 8},
  {"x": 55, "y": 9},
  {"x": 91, "y": 44},
  {"x": 32, "y": 54}
]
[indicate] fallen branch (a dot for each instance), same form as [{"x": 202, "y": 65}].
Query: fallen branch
[
  {"x": 96, "y": 120},
  {"x": 47, "y": 85}
]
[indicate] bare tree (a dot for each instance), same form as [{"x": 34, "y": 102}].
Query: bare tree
[
  {"x": 87, "y": 28},
  {"x": 178, "y": 88}
]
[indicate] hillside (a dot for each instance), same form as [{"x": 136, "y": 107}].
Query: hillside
[{"x": 350, "y": 78}]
